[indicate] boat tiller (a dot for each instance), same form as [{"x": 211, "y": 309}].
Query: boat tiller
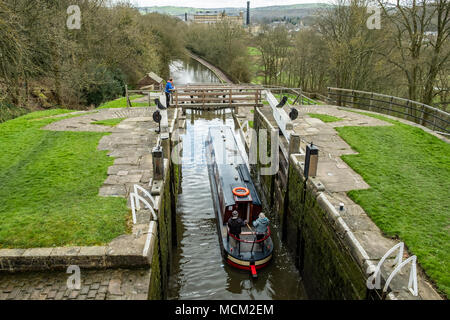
[{"x": 253, "y": 270}]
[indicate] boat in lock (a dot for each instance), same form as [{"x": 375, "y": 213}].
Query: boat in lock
[{"x": 233, "y": 190}]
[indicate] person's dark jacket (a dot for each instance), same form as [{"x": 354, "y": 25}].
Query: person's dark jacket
[{"x": 235, "y": 225}]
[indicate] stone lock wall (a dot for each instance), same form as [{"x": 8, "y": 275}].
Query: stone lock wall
[
  {"x": 266, "y": 182},
  {"x": 327, "y": 267},
  {"x": 272, "y": 187},
  {"x": 162, "y": 256},
  {"x": 155, "y": 290},
  {"x": 166, "y": 226}
]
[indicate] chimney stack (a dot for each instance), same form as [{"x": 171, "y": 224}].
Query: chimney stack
[{"x": 248, "y": 12}]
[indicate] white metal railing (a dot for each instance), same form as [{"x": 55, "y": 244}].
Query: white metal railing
[
  {"x": 412, "y": 283},
  {"x": 374, "y": 281},
  {"x": 138, "y": 188},
  {"x": 136, "y": 199}
]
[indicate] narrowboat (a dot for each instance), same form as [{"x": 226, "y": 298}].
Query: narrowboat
[{"x": 232, "y": 190}]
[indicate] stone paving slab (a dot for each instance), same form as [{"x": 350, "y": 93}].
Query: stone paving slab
[
  {"x": 120, "y": 284},
  {"x": 332, "y": 170}
]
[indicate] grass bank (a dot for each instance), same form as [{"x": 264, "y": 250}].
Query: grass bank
[
  {"x": 49, "y": 183},
  {"x": 324, "y": 117},
  {"x": 122, "y": 103},
  {"x": 408, "y": 171}
]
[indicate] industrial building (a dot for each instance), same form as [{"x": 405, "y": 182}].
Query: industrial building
[{"x": 209, "y": 17}]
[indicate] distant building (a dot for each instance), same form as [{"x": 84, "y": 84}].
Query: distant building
[
  {"x": 151, "y": 81},
  {"x": 430, "y": 33},
  {"x": 209, "y": 17},
  {"x": 255, "y": 29}
]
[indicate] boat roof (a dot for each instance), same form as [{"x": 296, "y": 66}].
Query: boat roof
[{"x": 233, "y": 171}]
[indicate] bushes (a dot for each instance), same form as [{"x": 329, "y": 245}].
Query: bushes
[
  {"x": 103, "y": 86},
  {"x": 9, "y": 111},
  {"x": 115, "y": 45}
]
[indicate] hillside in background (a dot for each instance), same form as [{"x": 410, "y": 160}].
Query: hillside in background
[{"x": 257, "y": 14}]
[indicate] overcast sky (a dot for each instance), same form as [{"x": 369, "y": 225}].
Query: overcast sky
[{"x": 219, "y": 3}]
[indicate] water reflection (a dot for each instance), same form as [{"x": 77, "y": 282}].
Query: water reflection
[
  {"x": 191, "y": 71},
  {"x": 199, "y": 271}
]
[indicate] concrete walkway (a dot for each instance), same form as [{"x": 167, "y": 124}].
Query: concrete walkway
[
  {"x": 338, "y": 178},
  {"x": 335, "y": 174}
]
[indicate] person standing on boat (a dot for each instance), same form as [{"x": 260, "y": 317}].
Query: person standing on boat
[
  {"x": 235, "y": 225},
  {"x": 261, "y": 225},
  {"x": 168, "y": 91}
]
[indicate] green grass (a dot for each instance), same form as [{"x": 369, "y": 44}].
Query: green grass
[
  {"x": 49, "y": 183},
  {"x": 109, "y": 122},
  {"x": 408, "y": 171},
  {"x": 324, "y": 117},
  {"x": 251, "y": 124},
  {"x": 122, "y": 103},
  {"x": 253, "y": 51},
  {"x": 256, "y": 67}
]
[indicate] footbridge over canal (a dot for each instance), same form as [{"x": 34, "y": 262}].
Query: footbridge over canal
[{"x": 217, "y": 96}]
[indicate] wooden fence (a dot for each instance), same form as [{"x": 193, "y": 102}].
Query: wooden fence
[{"x": 214, "y": 96}]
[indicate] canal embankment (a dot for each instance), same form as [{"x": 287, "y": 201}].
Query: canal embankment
[
  {"x": 133, "y": 265},
  {"x": 336, "y": 246},
  {"x": 219, "y": 73}
]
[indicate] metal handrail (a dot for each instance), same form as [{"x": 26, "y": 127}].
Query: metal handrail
[
  {"x": 412, "y": 283},
  {"x": 136, "y": 199},
  {"x": 146, "y": 193},
  {"x": 247, "y": 241},
  {"x": 387, "y": 96},
  {"x": 375, "y": 279}
]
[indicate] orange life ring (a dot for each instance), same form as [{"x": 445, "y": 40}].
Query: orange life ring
[{"x": 241, "y": 194}]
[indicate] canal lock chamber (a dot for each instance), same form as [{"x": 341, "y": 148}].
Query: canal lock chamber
[{"x": 310, "y": 260}]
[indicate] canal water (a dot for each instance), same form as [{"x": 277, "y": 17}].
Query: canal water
[
  {"x": 191, "y": 71},
  {"x": 198, "y": 270}
]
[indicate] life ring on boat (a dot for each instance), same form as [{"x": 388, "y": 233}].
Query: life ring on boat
[{"x": 245, "y": 192}]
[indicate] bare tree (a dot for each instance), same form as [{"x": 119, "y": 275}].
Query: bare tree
[
  {"x": 350, "y": 44},
  {"x": 274, "y": 45},
  {"x": 417, "y": 32}
]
